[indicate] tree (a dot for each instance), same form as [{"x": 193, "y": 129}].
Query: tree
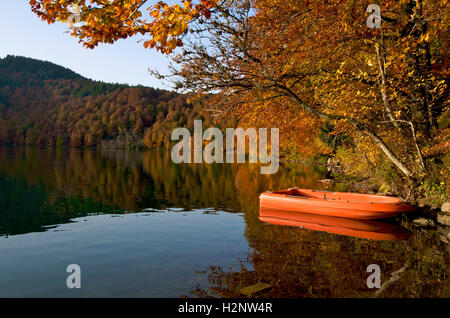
[
  {"x": 276, "y": 60},
  {"x": 321, "y": 59}
]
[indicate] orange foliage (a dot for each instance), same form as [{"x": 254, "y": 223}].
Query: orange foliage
[{"x": 107, "y": 22}]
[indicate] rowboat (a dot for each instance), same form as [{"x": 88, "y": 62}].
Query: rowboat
[
  {"x": 368, "y": 229},
  {"x": 337, "y": 204}
]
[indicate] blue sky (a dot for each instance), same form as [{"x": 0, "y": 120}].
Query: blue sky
[{"x": 126, "y": 61}]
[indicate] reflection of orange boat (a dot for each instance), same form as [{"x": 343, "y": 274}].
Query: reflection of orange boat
[
  {"x": 374, "y": 230},
  {"x": 336, "y": 204}
]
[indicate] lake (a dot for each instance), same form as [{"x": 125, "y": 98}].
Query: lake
[{"x": 139, "y": 225}]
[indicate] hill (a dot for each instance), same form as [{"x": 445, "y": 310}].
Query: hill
[{"x": 45, "y": 104}]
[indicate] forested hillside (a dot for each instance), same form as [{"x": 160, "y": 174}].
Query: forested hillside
[{"x": 48, "y": 105}]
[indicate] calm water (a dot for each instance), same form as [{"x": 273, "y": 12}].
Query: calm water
[{"x": 140, "y": 226}]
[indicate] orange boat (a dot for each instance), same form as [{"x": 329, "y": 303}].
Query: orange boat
[
  {"x": 337, "y": 204},
  {"x": 374, "y": 230}
]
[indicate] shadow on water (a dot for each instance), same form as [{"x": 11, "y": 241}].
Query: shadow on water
[{"x": 43, "y": 188}]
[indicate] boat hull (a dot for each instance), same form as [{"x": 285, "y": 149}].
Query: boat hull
[{"x": 335, "y": 204}]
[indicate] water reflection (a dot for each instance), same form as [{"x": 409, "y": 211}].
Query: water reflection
[
  {"x": 42, "y": 188},
  {"x": 374, "y": 230}
]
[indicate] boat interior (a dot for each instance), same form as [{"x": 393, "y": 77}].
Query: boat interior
[{"x": 340, "y": 196}]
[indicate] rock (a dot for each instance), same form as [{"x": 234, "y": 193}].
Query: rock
[
  {"x": 444, "y": 230},
  {"x": 384, "y": 189},
  {"x": 326, "y": 181},
  {"x": 446, "y": 207},
  {"x": 250, "y": 290},
  {"x": 333, "y": 165},
  {"x": 422, "y": 222},
  {"x": 443, "y": 218},
  {"x": 434, "y": 206}
]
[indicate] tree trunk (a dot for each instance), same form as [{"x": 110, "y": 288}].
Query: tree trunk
[
  {"x": 358, "y": 125},
  {"x": 381, "y": 66},
  {"x": 388, "y": 152}
]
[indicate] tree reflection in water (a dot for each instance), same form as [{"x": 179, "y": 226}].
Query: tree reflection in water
[{"x": 40, "y": 188}]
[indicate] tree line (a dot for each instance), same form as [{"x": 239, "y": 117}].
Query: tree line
[{"x": 45, "y": 104}]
